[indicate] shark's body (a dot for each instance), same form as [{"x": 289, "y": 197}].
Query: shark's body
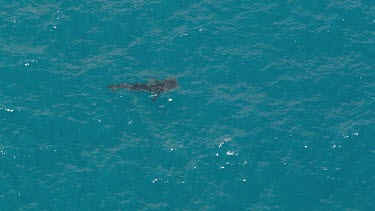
[{"x": 155, "y": 87}]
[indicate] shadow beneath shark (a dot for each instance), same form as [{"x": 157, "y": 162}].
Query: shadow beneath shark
[{"x": 155, "y": 87}]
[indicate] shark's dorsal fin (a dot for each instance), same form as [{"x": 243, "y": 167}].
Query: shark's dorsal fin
[{"x": 153, "y": 80}]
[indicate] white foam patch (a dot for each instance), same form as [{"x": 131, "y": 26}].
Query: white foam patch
[
  {"x": 230, "y": 153},
  {"x": 224, "y": 141},
  {"x": 9, "y": 110}
]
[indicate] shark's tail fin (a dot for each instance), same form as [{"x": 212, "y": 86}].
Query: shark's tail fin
[{"x": 112, "y": 87}]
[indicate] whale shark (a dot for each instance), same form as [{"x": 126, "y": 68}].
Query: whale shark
[{"x": 155, "y": 86}]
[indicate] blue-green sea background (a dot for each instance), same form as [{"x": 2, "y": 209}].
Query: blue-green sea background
[{"x": 275, "y": 106}]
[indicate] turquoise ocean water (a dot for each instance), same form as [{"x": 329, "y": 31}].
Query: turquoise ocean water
[{"x": 275, "y": 107}]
